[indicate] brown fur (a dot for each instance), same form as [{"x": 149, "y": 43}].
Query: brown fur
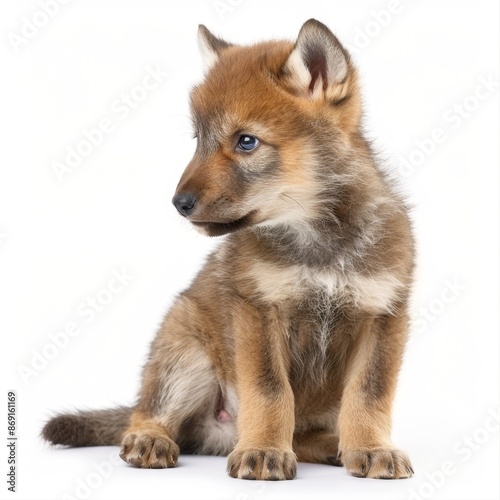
[{"x": 288, "y": 343}]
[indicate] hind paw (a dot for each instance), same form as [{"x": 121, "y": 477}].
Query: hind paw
[
  {"x": 378, "y": 463},
  {"x": 149, "y": 450},
  {"x": 268, "y": 464}
]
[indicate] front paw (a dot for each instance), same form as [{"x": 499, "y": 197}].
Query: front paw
[
  {"x": 270, "y": 464},
  {"x": 149, "y": 450},
  {"x": 378, "y": 463}
]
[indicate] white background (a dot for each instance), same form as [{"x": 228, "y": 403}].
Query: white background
[{"x": 61, "y": 241}]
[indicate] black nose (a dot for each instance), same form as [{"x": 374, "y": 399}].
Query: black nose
[{"x": 184, "y": 203}]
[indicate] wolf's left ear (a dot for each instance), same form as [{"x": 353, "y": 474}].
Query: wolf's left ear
[
  {"x": 318, "y": 61},
  {"x": 210, "y": 46}
]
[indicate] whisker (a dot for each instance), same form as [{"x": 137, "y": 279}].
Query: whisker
[{"x": 294, "y": 200}]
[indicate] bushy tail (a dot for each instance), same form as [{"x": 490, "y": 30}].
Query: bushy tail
[{"x": 88, "y": 428}]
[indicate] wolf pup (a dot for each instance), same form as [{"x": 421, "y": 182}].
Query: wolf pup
[{"x": 287, "y": 345}]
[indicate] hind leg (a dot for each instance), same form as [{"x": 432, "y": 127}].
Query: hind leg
[
  {"x": 179, "y": 382},
  {"x": 319, "y": 447}
]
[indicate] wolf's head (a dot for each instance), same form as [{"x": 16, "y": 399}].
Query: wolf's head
[{"x": 273, "y": 122}]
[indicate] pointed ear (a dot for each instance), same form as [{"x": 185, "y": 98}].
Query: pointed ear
[
  {"x": 210, "y": 46},
  {"x": 318, "y": 62}
]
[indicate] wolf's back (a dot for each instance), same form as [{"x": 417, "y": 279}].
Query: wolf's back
[{"x": 88, "y": 428}]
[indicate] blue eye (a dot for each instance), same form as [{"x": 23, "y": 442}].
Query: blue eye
[{"x": 247, "y": 142}]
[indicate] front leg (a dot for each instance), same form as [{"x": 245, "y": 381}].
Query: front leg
[
  {"x": 266, "y": 418},
  {"x": 365, "y": 414}
]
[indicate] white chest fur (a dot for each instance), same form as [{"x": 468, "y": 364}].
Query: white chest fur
[{"x": 371, "y": 293}]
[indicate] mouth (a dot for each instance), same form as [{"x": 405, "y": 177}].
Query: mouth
[{"x": 221, "y": 228}]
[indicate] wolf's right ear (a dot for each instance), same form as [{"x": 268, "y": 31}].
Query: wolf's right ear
[
  {"x": 318, "y": 62},
  {"x": 210, "y": 46}
]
